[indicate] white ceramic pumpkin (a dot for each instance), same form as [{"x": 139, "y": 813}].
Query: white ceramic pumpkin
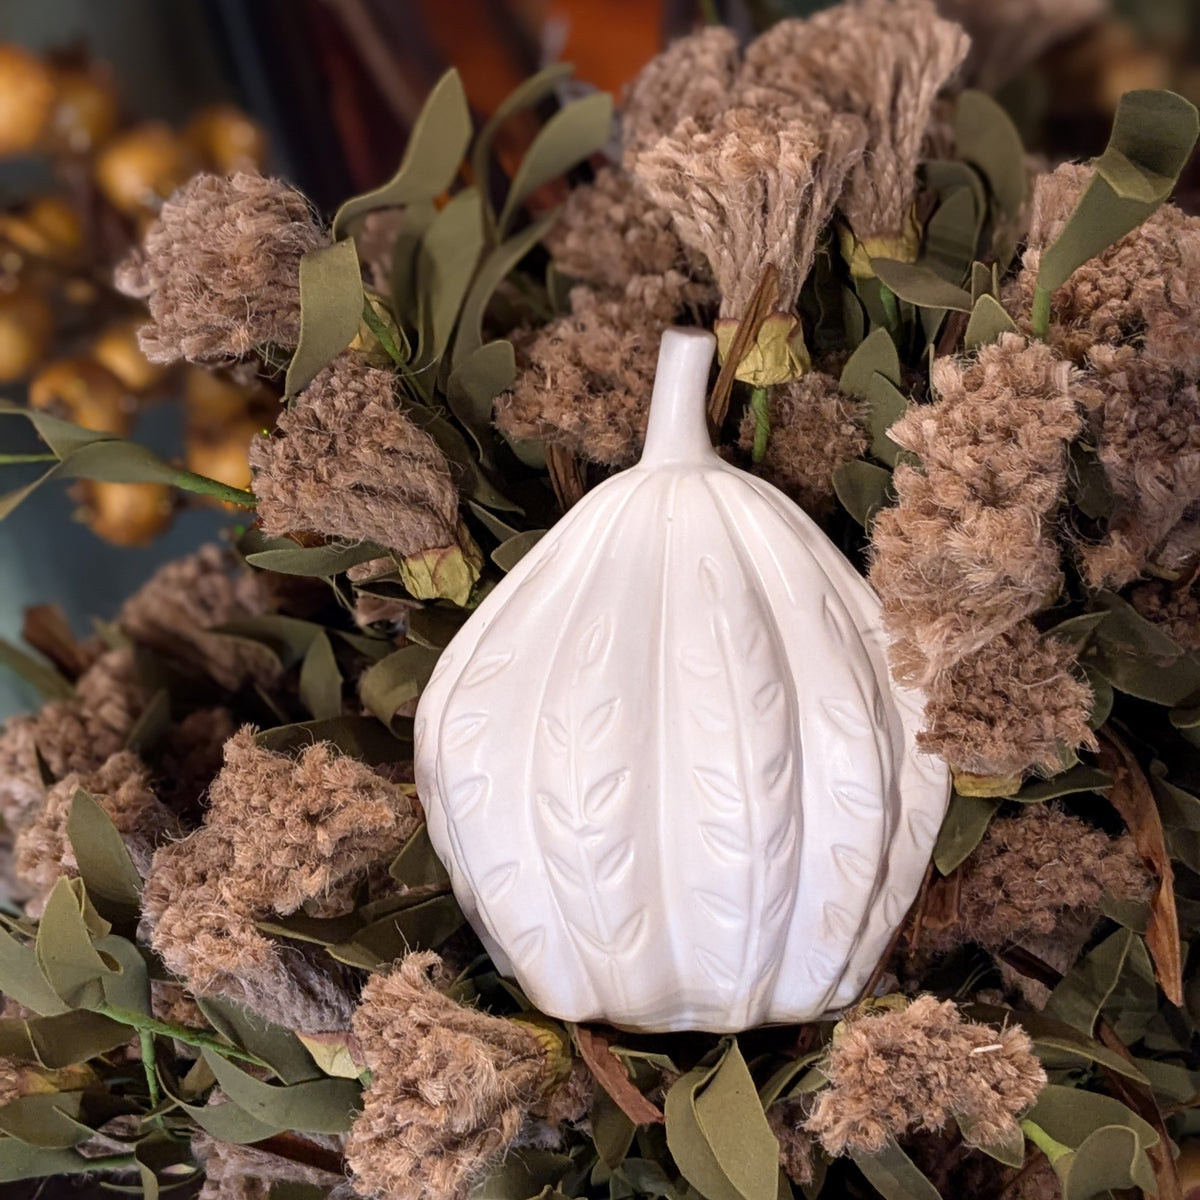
[{"x": 664, "y": 762}]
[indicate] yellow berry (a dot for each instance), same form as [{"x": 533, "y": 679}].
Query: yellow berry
[
  {"x": 227, "y": 139},
  {"x": 26, "y": 100},
  {"x": 139, "y": 169},
  {"x": 126, "y": 514},
  {"x": 26, "y": 326},
  {"x": 81, "y": 390},
  {"x": 117, "y": 349}
]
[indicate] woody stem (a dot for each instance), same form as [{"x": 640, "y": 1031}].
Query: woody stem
[{"x": 762, "y": 423}]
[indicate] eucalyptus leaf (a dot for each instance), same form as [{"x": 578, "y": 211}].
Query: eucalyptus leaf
[
  {"x": 126, "y": 989},
  {"x": 952, "y": 236},
  {"x": 886, "y": 404},
  {"x": 396, "y": 680},
  {"x": 42, "y": 675},
  {"x": 894, "y": 1175},
  {"x": 63, "y": 1040},
  {"x": 612, "y": 1130},
  {"x": 288, "y": 638},
  {"x": 65, "y": 952},
  {"x": 324, "y": 1105},
  {"x": 1085, "y": 989},
  {"x": 1080, "y": 778},
  {"x": 474, "y": 384},
  {"x": 22, "y": 978},
  {"x": 1089, "y": 488},
  {"x": 522, "y": 1174},
  {"x": 984, "y": 134},
  {"x": 446, "y": 262},
  {"x": 331, "y": 305},
  {"x": 965, "y": 823},
  {"x": 363, "y": 738},
  {"x": 718, "y": 1134},
  {"x": 322, "y": 561},
  {"x": 419, "y": 927},
  {"x": 920, "y": 285},
  {"x": 431, "y": 160},
  {"x": 571, "y": 135},
  {"x": 863, "y": 489},
  {"x": 108, "y": 873},
  {"x": 276, "y": 1045},
  {"x": 876, "y": 354},
  {"x": 321, "y": 680},
  {"x": 988, "y": 322},
  {"x": 468, "y": 475},
  {"x": 151, "y": 725},
  {"x": 513, "y": 549},
  {"x": 50, "y": 1121},
  {"x": 417, "y": 865}
]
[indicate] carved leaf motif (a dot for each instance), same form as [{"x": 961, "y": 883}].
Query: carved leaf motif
[
  {"x": 464, "y": 729},
  {"x": 721, "y": 792},
  {"x": 599, "y": 723},
  {"x": 923, "y": 827},
  {"x": 775, "y": 909},
  {"x": 565, "y": 872},
  {"x": 768, "y": 698},
  {"x": 710, "y": 579},
  {"x": 709, "y": 719},
  {"x": 719, "y": 971},
  {"x": 720, "y": 909},
  {"x": 836, "y": 922},
  {"x": 848, "y": 718},
  {"x": 853, "y": 865},
  {"x": 855, "y": 800},
  {"x": 728, "y": 844},
  {"x": 894, "y": 907},
  {"x": 497, "y": 884},
  {"x": 695, "y": 663},
  {"x": 482, "y": 669},
  {"x": 558, "y": 811},
  {"x": 602, "y": 797},
  {"x": 777, "y": 770},
  {"x": 529, "y": 945},
  {"x": 466, "y": 795},
  {"x": 614, "y": 864},
  {"x": 553, "y": 734},
  {"x": 780, "y": 844},
  {"x": 594, "y": 643}
]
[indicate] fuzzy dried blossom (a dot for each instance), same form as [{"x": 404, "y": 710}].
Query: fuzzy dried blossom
[
  {"x": 346, "y": 462},
  {"x": 78, "y": 734},
  {"x": 1014, "y": 704},
  {"x": 815, "y": 428},
  {"x": 235, "y": 1172},
  {"x": 751, "y": 189},
  {"x": 450, "y": 1086},
  {"x": 970, "y": 549},
  {"x": 786, "y": 1120},
  {"x": 174, "y": 612},
  {"x": 220, "y": 269},
  {"x": 1034, "y": 870},
  {"x": 918, "y": 1067},
  {"x": 279, "y": 831},
  {"x": 609, "y": 233},
  {"x": 882, "y": 61},
  {"x": 1143, "y": 290},
  {"x": 692, "y": 77},
  {"x": 1174, "y": 606},
  {"x": 121, "y": 786},
  {"x": 584, "y": 381},
  {"x": 1145, "y": 423}
]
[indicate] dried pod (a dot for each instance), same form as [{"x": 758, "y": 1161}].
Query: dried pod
[{"x": 665, "y": 763}]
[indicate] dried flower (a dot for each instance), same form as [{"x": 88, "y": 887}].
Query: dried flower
[
  {"x": 753, "y": 189},
  {"x": 218, "y": 242},
  {"x": 279, "y": 831},
  {"x": 1033, "y": 870},
  {"x": 815, "y": 428},
  {"x": 795, "y": 1142},
  {"x": 1013, "y": 704},
  {"x": 915, "y": 1068},
  {"x": 691, "y": 78},
  {"x": 1176, "y": 607},
  {"x": 969, "y": 550},
  {"x": 233, "y": 1172},
  {"x": 346, "y": 462},
  {"x": 450, "y": 1086},
  {"x": 584, "y": 381},
  {"x": 883, "y": 61}
]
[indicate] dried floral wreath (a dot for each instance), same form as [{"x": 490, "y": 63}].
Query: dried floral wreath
[{"x": 235, "y": 951}]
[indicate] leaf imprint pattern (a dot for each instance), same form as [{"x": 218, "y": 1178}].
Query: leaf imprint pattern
[{"x": 664, "y": 760}]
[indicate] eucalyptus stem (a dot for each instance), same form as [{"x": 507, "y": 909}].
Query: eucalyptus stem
[
  {"x": 891, "y": 309},
  {"x": 9, "y": 460},
  {"x": 379, "y": 328},
  {"x": 181, "y": 1033},
  {"x": 146, "y": 1041},
  {"x": 201, "y": 485},
  {"x": 1049, "y": 1146},
  {"x": 1040, "y": 317},
  {"x": 762, "y": 423}
]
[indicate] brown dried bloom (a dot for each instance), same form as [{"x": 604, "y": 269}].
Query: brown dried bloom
[
  {"x": 1011, "y": 705},
  {"x": 78, "y": 734},
  {"x": 174, "y": 611},
  {"x": 795, "y": 1142},
  {"x": 450, "y": 1086},
  {"x": 1146, "y": 427},
  {"x": 753, "y": 188},
  {"x": 917, "y": 1067},
  {"x": 279, "y": 831},
  {"x": 1008, "y": 35},
  {"x": 220, "y": 269},
  {"x": 1176, "y": 607},
  {"x": 1033, "y": 870},
  {"x": 815, "y": 428},
  {"x": 1143, "y": 290},
  {"x": 691, "y": 78},
  {"x": 346, "y": 462},
  {"x": 609, "y": 232},
  {"x": 584, "y": 381},
  {"x": 10, "y": 1081},
  {"x": 233, "y": 1172},
  {"x": 121, "y": 786},
  {"x": 970, "y": 550},
  {"x": 883, "y": 61}
]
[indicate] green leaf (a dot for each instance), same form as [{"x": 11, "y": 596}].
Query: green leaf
[
  {"x": 474, "y": 384},
  {"x": 1138, "y": 657},
  {"x": 288, "y": 638},
  {"x": 886, "y": 404},
  {"x": 324, "y": 561},
  {"x": 324, "y": 1105},
  {"x": 985, "y": 135},
  {"x": 431, "y": 160},
  {"x": 1152, "y": 138},
  {"x": 920, "y": 286},
  {"x": 1087, "y": 482},
  {"x": 522, "y": 1174},
  {"x": 894, "y": 1175},
  {"x": 571, "y": 135},
  {"x": 875, "y": 355},
  {"x": 984, "y": 282},
  {"x": 1010, "y": 1153},
  {"x": 331, "y": 304},
  {"x": 493, "y": 271},
  {"x": 612, "y": 1130},
  {"x": 952, "y": 236},
  {"x": 49, "y": 683},
  {"x": 320, "y": 680},
  {"x": 363, "y": 738},
  {"x": 1080, "y": 778},
  {"x": 22, "y": 978},
  {"x": 277, "y": 1046},
  {"x": 446, "y": 262},
  {"x": 965, "y": 823},
  {"x": 1085, "y": 989},
  {"x": 396, "y": 680},
  {"x": 421, "y": 926},
  {"x": 151, "y": 725},
  {"x": 468, "y": 476},
  {"x": 863, "y": 489},
  {"x": 718, "y": 1134},
  {"x": 19, "y": 1160},
  {"x": 988, "y": 322},
  {"x": 65, "y": 953},
  {"x": 513, "y": 549},
  {"x": 51, "y": 1121},
  {"x": 417, "y": 865},
  {"x": 108, "y": 873},
  {"x": 63, "y": 1040}
]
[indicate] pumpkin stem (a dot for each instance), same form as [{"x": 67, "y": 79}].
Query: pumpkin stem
[{"x": 678, "y": 428}]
